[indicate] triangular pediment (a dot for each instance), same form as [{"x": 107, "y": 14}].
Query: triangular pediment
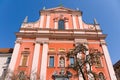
[{"x": 61, "y": 8}]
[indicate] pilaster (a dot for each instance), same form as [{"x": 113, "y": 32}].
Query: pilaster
[
  {"x": 41, "y": 21},
  {"x": 35, "y": 60},
  {"x": 80, "y": 22},
  {"x": 14, "y": 58},
  {"x": 15, "y": 54},
  {"x": 66, "y": 24},
  {"x": 55, "y": 23},
  {"x": 74, "y": 22},
  {"x": 44, "y": 61},
  {"x": 48, "y": 21},
  {"x": 108, "y": 60}
]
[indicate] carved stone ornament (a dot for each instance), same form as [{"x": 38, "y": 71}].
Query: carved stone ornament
[
  {"x": 18, "y": 41},
  {"x": 103, "y": 43},
  {"x": 21, "y": 76},
  {"x": 38, "y": 42}
]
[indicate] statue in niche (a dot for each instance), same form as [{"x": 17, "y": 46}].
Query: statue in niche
[{"x": 62, "y": 62}]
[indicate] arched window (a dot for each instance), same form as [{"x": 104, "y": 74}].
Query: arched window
[
  {"x": 62, "y": 62},
  {"x": 101, "y": 76},
  {"x": 61, "y": 24}
]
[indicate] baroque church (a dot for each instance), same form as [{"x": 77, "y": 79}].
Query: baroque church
[{"x": 41, "y": 47}]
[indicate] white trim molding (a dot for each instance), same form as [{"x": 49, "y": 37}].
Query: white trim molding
[
  {"x": 48, "y": 21},
  {"x": 13, "y": 59},
  {"x": 41, "y": 21},
  {"x": 35, "y": 60},
  {"x": 66, "y": 25},
  {"x": 74, "y": 22},
  {"x": 56, "y": 24},
  {"x": 108, "y": 60},
  {"x": 44, "y": 61},
  {"x": 80, "y": 21},
  {"x": 14, "y": 55}
]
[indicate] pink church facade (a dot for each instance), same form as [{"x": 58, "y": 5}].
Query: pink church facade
[{"x": 40, "y": 47}]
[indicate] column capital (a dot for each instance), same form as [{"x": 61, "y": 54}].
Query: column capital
[
  {"x": 38, "y": 42},
  {"x": 74, "y": 14},
  {"x": 18, "y": 41},
  {"x": 102, "y": 42},
  {"x": 45, "y": 42},
  {"x": 41, "y": 42},
  {"x": 48, "y": 14}
]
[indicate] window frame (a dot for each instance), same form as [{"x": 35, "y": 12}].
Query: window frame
[
  {"x": 73, "y": 60},
  {"x": 24, "y": 57},
  {"x": 8, "y": 59},
  {"x": 51, "y": 56},
  {"x": 61, "y": 24}
]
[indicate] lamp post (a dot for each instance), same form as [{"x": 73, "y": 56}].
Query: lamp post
[{"x": 62, "y": 75}]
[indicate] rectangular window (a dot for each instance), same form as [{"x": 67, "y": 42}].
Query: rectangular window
[
  {"x": 8, "y": 60},
  {"x": 51, "y": 62},
  {"x": 24, "y": 60},
  {"x": 4, "y": 73},
  {"x": 71, "y": 60}
]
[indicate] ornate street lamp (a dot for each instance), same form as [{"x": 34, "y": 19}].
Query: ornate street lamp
[{"x": 63, "y": 75}]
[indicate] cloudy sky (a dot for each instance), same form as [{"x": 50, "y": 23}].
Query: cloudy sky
[{"x": 107, "y": 13}]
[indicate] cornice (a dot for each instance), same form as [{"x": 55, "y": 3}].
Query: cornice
[
  {"x": 38, "y": 29},
  {"x": 61, "y": 35}
]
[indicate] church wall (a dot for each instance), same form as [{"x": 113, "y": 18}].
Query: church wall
[
  {"x": 18, "y": 66},
  {"x": 57, "y": 54},
  {"x": 44, "y": 36},
  {"x": 95, "y": 44}
]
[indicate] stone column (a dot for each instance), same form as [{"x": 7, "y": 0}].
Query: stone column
[
  {"x": 15, "y": 54},
  {"x": 108, "y": 60},
  {"x": 14, "y": 58},
  {"x": 35, "y": 60},
  {"x": 74, "y": 22},
  {"x": 44, "y": 61}
]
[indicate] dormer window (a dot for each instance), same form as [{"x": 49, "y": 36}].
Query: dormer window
[{"x": 61, "y": 24}]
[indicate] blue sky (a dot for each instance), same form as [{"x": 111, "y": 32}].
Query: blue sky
[{"x": 107, "y": 13}]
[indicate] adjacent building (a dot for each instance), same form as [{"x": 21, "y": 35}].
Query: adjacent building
[
  {"x": 117, "y": 69},
  {"x": 5, "y": 57},
  {"x": 41, "y": 47}
]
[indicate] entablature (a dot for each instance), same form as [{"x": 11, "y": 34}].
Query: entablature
[{"x": 61, "y": 35}]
